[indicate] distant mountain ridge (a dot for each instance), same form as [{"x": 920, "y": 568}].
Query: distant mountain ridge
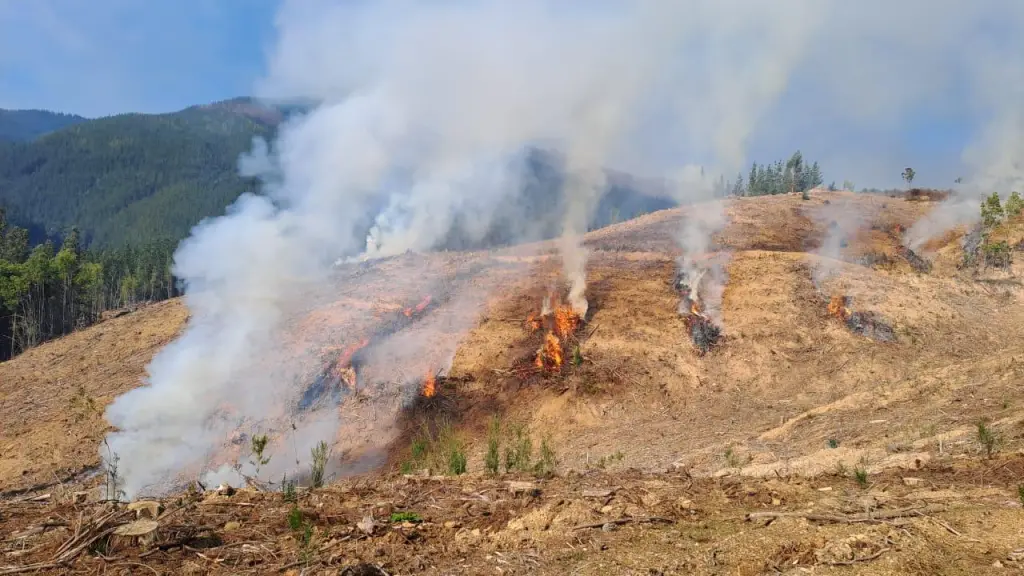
[
  {"x": 25, "y": 125},
  {"x": 134, "y": 178}
]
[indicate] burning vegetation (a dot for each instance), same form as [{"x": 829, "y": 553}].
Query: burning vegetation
[
  {"x": 342, "y": 364},
  {"x": 919, "y": 264},
  {"x": 863, "y": 323},
  {"x": 429, "y": 387},
  {"x": 703, "y": 332},
  {"x": 560, "y": 321}
]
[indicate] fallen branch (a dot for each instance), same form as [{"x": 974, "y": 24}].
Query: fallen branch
[
  {"x": 880, "y": 516},
  {"x": 30, "y": 568},
  {"x": 82, "y": 531},
  {"x": 861, "y": 559},
  {"x": 5, "y": 495},
  {"x": 641, "y": 520},
  {"x": 948, "y": 528}
]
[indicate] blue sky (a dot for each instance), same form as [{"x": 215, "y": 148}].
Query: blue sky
[{"x": 101, "y": 57}]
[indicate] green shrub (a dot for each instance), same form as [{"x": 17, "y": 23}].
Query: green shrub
[
  {"x": 1014, "y": 204},
  {"x": 998, "y": 254},
  {"x": 519, "y": 452},
  {"x": 991, "y": 210},
  {"x": 456, "y": 460},
  {"x": 258, "y": 449},
  {"x": 987, "y": 438},
  {"x": 861, "y": 474},
  {"x": 546, "y": 462},
  {"x": 405, "y": 517},
  {"x": 320, "y": 454},
  {"x": 295, "y": 518},
  {"x": 438, "y": 450},
  {"x": 288, "y": 489}
]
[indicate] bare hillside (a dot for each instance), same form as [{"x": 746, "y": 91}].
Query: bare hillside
[{"x": 846, "y": 364}]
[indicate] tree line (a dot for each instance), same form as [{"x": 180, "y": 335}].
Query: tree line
[
  {"x": 779, "y": 177},
  {"x": 48, "y": 291}
]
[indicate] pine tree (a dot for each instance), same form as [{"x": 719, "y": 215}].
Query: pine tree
[
  {"x": 44, "y": 294},
  {"x": 795, "y": 167},
  {"x": 991, "y": 210},
  {"x": 814, "y": 176},
  {"x": 737, "y": 187},
  {"x": 1014, "y": 204}
]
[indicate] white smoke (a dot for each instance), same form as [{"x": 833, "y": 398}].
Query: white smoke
[{"x": 422, "y": 106}]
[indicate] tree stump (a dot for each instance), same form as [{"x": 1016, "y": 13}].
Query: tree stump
[{"x": 139, "y": 533}]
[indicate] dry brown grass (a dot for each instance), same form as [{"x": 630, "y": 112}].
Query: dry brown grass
[{"x": 790, "y": 394}]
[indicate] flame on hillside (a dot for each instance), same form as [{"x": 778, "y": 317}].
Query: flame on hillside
[
  {"x": 864, "y": 323},
  {"x": 838, "y": 306},
  {"x": 409, "y": 312},
  {"x": 566, "y": 321},
  {"x": 429, "y": 384},
  {"x": 344, "y": 364},
  {"x": 549, "y": 356},
  {"x": 343, "y": 368},
  {"x": 703, "y": 332},
  {"x": 561, "y": 321}
]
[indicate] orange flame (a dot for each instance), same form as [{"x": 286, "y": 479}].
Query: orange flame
[
  {"x": 566, "y": 320},
  {"x": 346, "y": 355},
  {"x": 430, "y": 384},
  {"x": 561, "y": 322},
  {"x": 837, "y": 307},
  {"x": 534, "y": 322},
  {"x": 343, "y": 369},
  {"x": 418, "y": 308},
  {"x": 550, "y": 354}
]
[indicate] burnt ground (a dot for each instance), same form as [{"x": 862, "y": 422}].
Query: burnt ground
[{"x": 790, "y": 401}]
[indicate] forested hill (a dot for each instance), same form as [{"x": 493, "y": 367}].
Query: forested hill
[
  {"x": 132, "y": 178},
  {"x": 25, "y": 125},
  {"x": 135, "y": 178}
]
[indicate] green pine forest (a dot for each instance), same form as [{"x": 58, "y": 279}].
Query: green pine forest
[
  {"x": 779, "y": 177},
  {"x": 131, "y": 178},
  {"x": 92, "y": 210},
  {"x": 47, "y": 291}
]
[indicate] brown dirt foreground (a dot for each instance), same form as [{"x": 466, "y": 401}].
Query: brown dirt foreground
[
  {"x": 960, "y": 518},
  {"x": 869, "y": 450}
]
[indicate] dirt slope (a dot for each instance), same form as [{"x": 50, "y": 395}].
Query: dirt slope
[
  {"x": 52, "y": 397},
  {"x": 789, "y": 394}
]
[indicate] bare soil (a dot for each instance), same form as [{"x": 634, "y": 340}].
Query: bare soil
[{"x": 782, "y": 415}]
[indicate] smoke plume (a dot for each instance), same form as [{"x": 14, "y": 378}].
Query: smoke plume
[{"x": 423, "y": 109}]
